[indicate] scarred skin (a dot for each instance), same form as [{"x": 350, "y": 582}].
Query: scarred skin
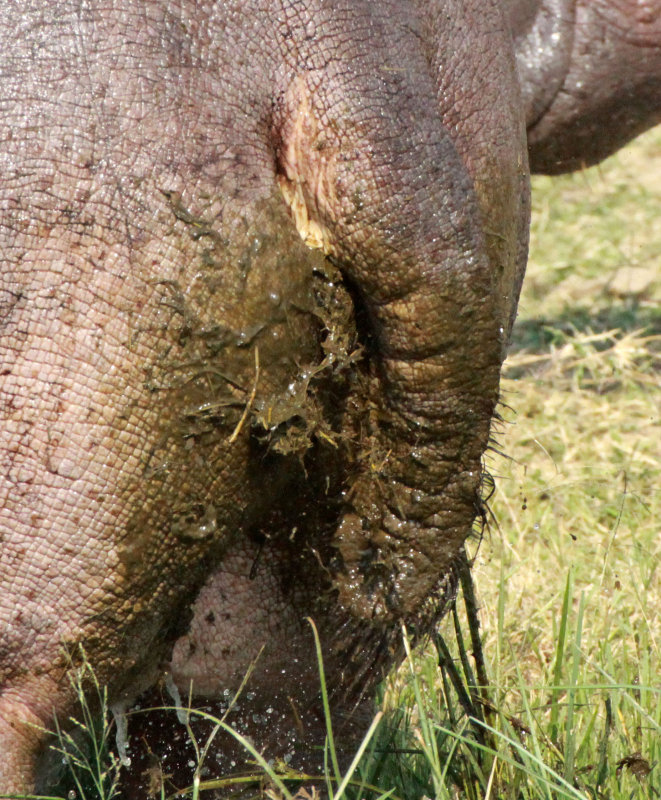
[{"x": 260, "y": 261}]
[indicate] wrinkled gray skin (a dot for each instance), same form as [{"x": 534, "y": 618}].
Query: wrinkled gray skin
[{"x": 190, "y": 388}]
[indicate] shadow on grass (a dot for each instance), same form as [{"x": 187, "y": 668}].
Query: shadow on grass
[{"x": 537, "y": 334}]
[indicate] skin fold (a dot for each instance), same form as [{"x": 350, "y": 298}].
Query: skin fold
[
  {"x": 260, "y": 262},
  {"x": 590, "y": 76}
]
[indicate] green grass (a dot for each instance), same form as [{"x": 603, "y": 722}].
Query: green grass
[{"x": 567, "y": 578}]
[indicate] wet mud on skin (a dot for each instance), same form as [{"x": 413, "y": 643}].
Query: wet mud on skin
[
  {"x": 311, "y": 441},
  {"x": 235, "y": 391},
  {"x": 303, "y": 436}
]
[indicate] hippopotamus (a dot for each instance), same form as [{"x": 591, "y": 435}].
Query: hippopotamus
[
  {"x": 589, "y": 74},
  {"x": 261, "y": 261}
]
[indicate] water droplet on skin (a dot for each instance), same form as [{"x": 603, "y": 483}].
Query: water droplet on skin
[{"x": 187, "y": 526}]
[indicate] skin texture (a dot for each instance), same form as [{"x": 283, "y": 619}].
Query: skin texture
[
  {"x": 590, "y": 75},
  {"x": 174, "y": 396}
]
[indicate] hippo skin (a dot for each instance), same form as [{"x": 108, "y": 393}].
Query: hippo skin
[
  {"x": 590, "y": 74},
  {"x": 260, "y": 262}
]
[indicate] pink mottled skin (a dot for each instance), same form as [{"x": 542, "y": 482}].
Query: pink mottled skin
[{"x": 173, "y": 175}]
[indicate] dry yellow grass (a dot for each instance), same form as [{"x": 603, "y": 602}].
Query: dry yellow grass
[
  {"x": 581, "y": 491},
  {"x": 583, "y": 431}
]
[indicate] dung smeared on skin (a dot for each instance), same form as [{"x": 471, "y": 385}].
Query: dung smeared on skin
[
  {"x": 290, "y": 421},
  {"x": 286, "y": 418},
  {"x": 259, "y": 291}
]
